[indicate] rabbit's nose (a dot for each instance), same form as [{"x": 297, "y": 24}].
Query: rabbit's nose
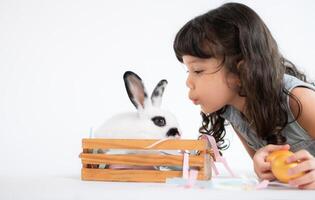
[{"x": 172, "y": 132}]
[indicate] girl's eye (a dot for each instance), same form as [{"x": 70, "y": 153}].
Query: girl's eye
[{"x": 198, "y": 71}]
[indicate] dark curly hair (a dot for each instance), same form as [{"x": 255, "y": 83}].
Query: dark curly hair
[{"x": 234, "y": 33}]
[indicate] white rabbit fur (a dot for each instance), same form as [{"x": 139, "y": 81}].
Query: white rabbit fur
[
  {"x": 143, "y": 123},
  {"x": 135, "y": 126}
]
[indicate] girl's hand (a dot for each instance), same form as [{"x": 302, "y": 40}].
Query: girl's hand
[
  {"x": 306, "y": 165},
  {"x": 261, "y": 166}
]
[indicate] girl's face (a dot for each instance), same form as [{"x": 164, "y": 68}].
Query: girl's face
[{"x": 210, "y": 86}]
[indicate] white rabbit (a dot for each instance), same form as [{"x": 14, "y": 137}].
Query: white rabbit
[{"x": 149, "y": 122}]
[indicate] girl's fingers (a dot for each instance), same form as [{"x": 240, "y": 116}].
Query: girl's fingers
[
  {"x": 306, "y": 179},
  {"x": 267, "y": 176},
  {"x": 307, "y": 165},
  {"x": 307, "y": 186},
  {"x": 265, "y": 167},
  {"x": 265, "y": 172},
  {"x": 270, "y": 147},
  {"x": 304, "y": 166},
  {"x": 300, "y": 155}
]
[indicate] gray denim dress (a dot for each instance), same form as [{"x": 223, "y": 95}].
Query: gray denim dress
[{"x": 296, "y": 136}]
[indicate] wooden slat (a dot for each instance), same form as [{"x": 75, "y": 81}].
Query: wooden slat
[
  {"x": 141, "y": 160},
  {"x": 130, "y": 175},
  {"x": 97, "y": 143}
]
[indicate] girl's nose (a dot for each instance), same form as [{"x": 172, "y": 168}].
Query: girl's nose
[{"x": 189, "y": 83}]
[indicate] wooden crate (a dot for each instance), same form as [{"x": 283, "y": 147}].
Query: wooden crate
[{"x": 200, "y": 161}]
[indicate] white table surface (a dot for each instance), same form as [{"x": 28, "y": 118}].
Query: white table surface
[{"x": 72, "y": 187}]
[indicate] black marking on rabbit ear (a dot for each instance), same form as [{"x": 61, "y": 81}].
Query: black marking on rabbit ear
[
  {"x": 135, "y": 89},
  {"x": 157, "y": 93}
]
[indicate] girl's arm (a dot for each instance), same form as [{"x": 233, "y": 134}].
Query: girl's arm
[{"x": 307, "y": 121}]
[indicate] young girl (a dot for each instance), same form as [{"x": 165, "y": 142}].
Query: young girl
[{"x": 236, "y": 73}]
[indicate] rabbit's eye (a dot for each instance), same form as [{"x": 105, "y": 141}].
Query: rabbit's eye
[{"x": 159, "y": 121}]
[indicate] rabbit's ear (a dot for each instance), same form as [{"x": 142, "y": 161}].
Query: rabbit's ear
[
  {"x": 135, "y": 89},
  {"x": 157, "y": 93}
]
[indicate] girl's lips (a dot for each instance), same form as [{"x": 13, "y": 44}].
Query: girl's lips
[{"x": 195, "y": 101}]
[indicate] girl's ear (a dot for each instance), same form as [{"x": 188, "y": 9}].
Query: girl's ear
[
  {"x": 239, "y": 65},
  {"x": 135, "y": 89},
  {"x": 156, "y": 96},
  {"x": 239, "y": 68}
]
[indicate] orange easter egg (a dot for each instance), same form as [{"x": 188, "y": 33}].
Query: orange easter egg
[
  {"x": 274, "y": 154},
  {"x": 280, "y": 167}
]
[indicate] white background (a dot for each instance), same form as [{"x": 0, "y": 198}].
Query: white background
[{"x": 62, "y": 61}]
